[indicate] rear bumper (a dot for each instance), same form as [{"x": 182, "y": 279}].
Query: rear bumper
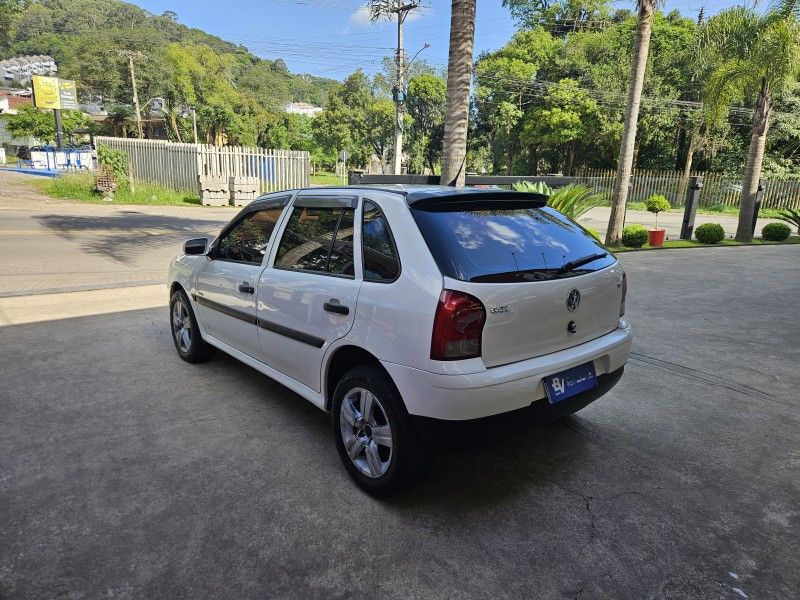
[
  {"x": 499, "y": 427},
  {"x": 506, "y": 388}
]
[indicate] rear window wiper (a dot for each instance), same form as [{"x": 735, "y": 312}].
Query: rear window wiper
[{"x": 579, "y": 262}]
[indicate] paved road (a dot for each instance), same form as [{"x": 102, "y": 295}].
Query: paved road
[
  {"x": 55, "y": 246},
  {"x": 129, "y": 474}
]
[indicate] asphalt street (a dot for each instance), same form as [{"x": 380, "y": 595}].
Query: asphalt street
[
  {"x": 127, "y": 473},
  {"x": 57, "y": 245}
]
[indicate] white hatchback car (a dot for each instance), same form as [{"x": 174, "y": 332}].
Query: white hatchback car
[{"x": 397, "y": 307}]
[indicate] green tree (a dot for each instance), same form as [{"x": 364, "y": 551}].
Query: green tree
[
  {"x": 756, "y": 56},
  {"x": 565, "y": 15},
  {"x": 427, "y": 94},
  {"x": 30, "y": 121},
  {"x": 568, "y": 119},
  {"x": 505, "y": 85}
]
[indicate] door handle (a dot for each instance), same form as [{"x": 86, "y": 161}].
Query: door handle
[
  {"x": 334, "y": 307},
  {"x": 245, "y": 288}
]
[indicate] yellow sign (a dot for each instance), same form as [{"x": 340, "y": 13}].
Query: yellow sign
[
  {"x": 45, "y": 92},
  {"x": 52, "y": 92}
]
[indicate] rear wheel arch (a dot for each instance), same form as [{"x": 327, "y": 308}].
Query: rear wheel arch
[{"x": 345, "y": 359}]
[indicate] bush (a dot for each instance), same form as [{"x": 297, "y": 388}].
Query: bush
[
  {"x": 115, "y": 160},
  {"x": 594, "y": 233},
  {"x": 717, "y": 207},
  {"x": 709, "y": 233},
  {"x": 656, "y": 204},
  {"x": 634, "y": 236},
  {"x": 539, "y": 187},
  {"x": 775, "y": 232}
]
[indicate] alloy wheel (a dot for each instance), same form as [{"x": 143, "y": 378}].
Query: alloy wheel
[
  {"x": 366, "y": 433},
  {"x": 181, "y": 326}
]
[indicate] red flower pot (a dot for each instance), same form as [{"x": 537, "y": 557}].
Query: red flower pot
[{"x": 655, "y": 237}]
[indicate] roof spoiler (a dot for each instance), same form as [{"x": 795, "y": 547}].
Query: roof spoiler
[{"x": 491, "y": 199}]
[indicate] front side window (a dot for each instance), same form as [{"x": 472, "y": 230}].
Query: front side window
[
  {"x": 247, "y": 241},
  {"x": 319, "y": 240},
  {"x": 380, "y": 254}
]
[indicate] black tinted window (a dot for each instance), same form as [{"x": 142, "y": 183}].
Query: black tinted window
[
  {"x": 248, "y": 239},
  {"x": 507, "y": 245},
  {"x": 380, "y": 254},
  {"x": 319, "y": 240}
]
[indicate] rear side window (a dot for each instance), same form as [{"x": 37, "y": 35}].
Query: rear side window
[
  {"x": 381, "y": 263},
  {"x": 505, "y": 245},
  {"x": 318, "y": 240}
]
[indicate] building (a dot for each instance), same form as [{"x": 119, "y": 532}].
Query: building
[
  {"x": 302, "y": 108},
  {"x": 11, "y": 100},
  {"x": 22, "y": 68}
]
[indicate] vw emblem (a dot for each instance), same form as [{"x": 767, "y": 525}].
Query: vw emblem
[{"x": 573, "y": 300}]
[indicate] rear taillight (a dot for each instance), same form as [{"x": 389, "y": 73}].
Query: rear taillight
[
  {"x": 624, "y": 293},
  {"x": 457, "y": 327}
]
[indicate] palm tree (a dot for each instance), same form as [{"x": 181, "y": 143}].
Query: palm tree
[
  {"x": 459, "y": 76},
  {"x": 756, "y": 55},
  {"x": 641, "y": 48}
]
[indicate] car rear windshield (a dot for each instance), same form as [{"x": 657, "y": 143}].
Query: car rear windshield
[{"x": 496, "y": 243}]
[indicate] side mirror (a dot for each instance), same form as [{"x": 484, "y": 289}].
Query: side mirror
[{"x": 195, "y": 246}]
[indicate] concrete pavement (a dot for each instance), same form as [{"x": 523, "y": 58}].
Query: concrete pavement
[{"x": 127, "y": 473}]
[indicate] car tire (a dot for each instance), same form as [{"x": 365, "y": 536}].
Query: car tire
[
  {"x": 361, "y": 439},
  {"x": 186, "y": 335}
]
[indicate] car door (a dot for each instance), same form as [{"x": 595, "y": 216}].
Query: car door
[
  {"x": 307, "y": 297},
  {"x": 225, "y": 289}
]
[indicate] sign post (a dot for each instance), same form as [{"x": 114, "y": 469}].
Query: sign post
[{"x": 55, "y": 93}]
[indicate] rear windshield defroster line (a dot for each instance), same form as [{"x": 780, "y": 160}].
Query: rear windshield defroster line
[{"x": 498, "y": 242}]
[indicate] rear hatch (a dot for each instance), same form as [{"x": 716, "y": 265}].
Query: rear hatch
[{"x": 523, "y": 262}]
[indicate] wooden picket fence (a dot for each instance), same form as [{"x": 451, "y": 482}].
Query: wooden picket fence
[
  {"x": 177, "y": 166},
  {"x": 719, "y": 189}
]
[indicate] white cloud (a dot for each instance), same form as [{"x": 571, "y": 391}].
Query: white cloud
[{"x": 361, "y": 16}]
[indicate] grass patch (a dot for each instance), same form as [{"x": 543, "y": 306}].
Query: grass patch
[
  {"x": 694, "y": 244},
  {"x": 80, "y": 186},
  {"x": 326, "y": 178}
]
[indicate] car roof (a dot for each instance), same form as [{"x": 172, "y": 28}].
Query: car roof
[{"x": 424, "y": 194}]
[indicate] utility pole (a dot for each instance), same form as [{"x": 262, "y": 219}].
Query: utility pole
[
  {"x": 399, "y": 88},
  {"x": 131, "y": 54}
]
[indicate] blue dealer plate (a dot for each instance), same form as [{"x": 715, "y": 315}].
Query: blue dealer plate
[{"x": 570, "y": 382}]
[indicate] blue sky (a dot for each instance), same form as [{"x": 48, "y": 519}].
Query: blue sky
[{"x": 333, "y": 38}]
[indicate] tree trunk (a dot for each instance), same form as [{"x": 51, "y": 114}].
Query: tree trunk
[
  {"x": 683, "y": 182},
  {"x": 173, "y": 122},
  {"x": 569, "y": 158},
  {"x": 755, "y": 158},
  {"x": 459, "y": 76},
  {"x": 641, "y": 47},
  {"x": 512, "y": 153}
]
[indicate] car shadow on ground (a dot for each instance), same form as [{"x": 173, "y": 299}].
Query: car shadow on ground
[
  {"x": 464, "y": 475},
  {"x": 121, "y": 236}
]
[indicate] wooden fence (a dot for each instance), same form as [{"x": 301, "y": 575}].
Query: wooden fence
[
  {"x": 718, "y": 189},
  {"x": 177, "y": 166}
]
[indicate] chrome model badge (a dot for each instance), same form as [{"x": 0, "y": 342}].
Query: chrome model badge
[{"x": 573, "y": 300}]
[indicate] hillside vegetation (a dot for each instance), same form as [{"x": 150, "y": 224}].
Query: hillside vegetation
[{"x": 234, "y": 91}]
